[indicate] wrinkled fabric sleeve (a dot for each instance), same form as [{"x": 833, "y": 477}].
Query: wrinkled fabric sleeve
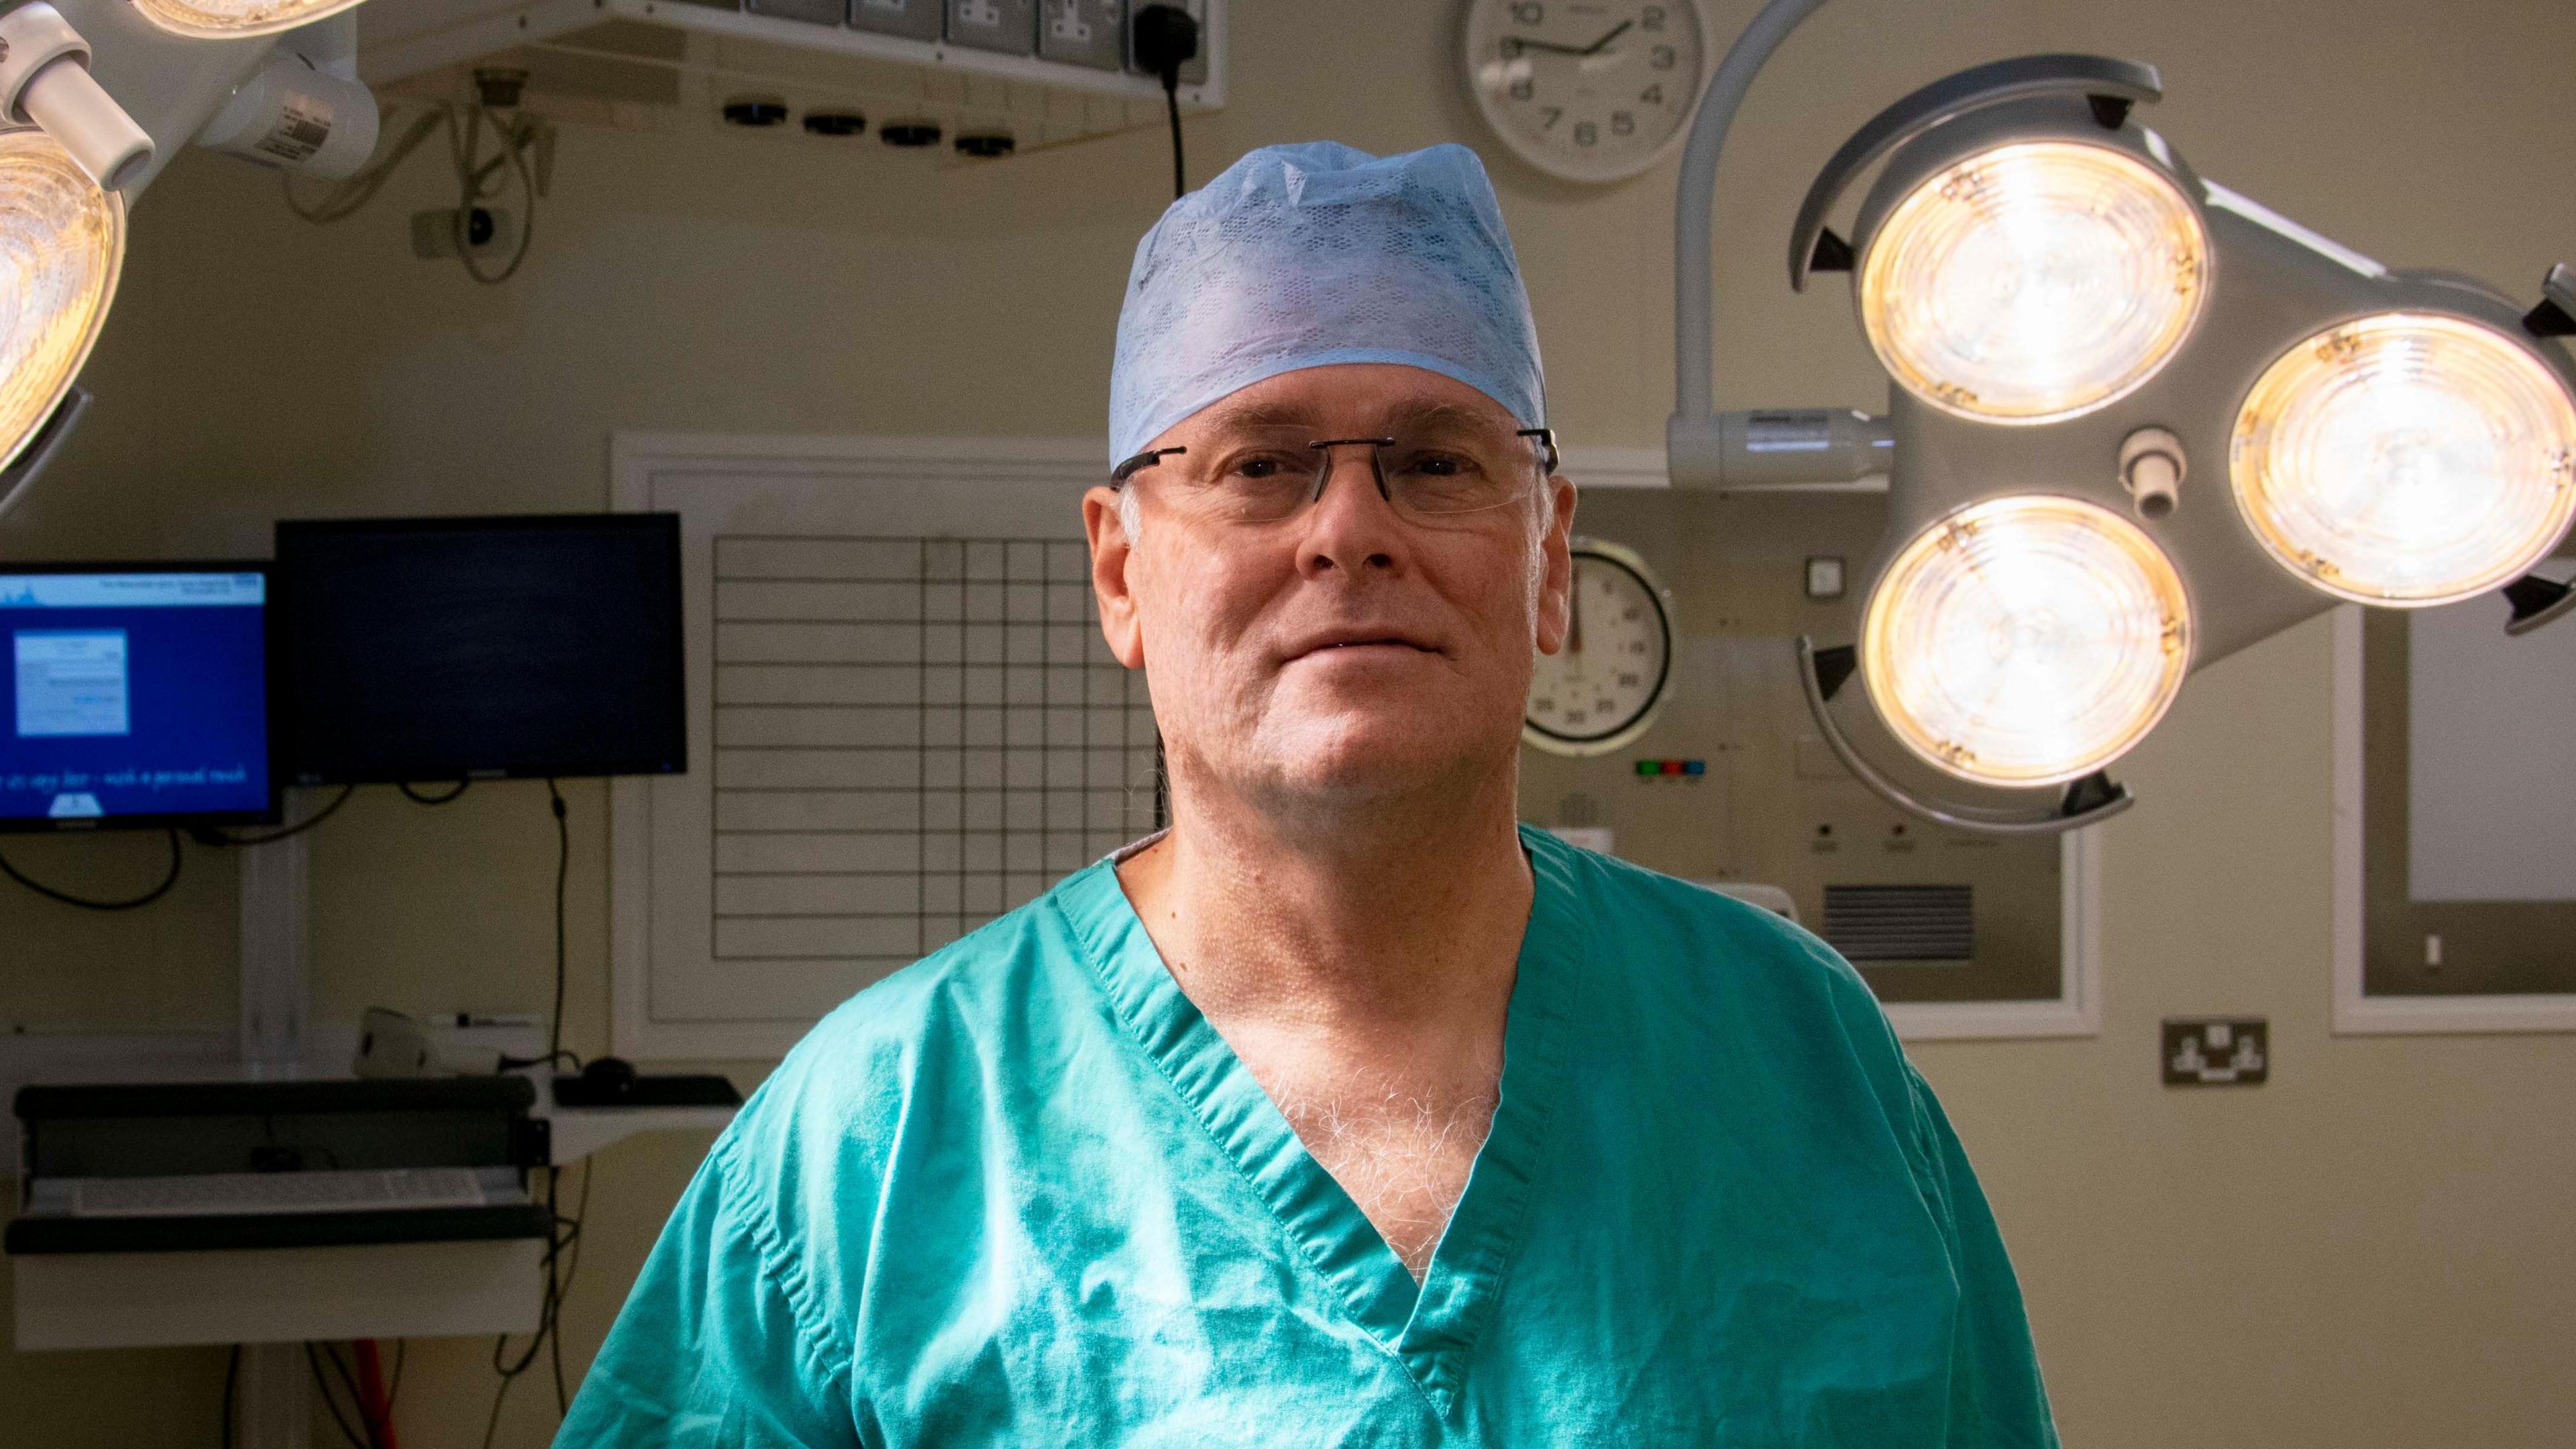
[
  {"x": 719, "y": 1346},
  {"x": 1997, "y": 1400}
]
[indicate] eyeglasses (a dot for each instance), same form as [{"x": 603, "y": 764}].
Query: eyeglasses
[{"x": 1265, "y": 473}]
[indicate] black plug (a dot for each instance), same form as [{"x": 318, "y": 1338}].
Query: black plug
[{"x": 1163, "y": 38}]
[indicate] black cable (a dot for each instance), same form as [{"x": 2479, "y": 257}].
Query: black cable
[
  {"x": 417, "y": 798},
  {"x": 329, "y": 1402},
  {"x": 563, "y": 866},
  {"x": 1163, "y": 38},
  {"x": 549, "y": 1335},
  {"x": 128, "y": 904},
  {"x": 222, "y": 837},
  {"x": 232, "y": 1376}
]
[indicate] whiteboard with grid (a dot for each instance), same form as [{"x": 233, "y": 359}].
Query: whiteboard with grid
[{"x": 904, "y": 722}]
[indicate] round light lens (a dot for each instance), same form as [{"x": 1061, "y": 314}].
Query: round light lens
[
  {"x": 2026, "y": 640},
  {"x": 226, "y": 19},
  {"x": 62, "y": 241},
  {"x": 2409, "y": 459},
  {"x": 2033, "y": 282}
]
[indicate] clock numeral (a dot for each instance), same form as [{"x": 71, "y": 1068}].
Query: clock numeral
[
  {"x": 1631, "y": 681},
  {"x": 1553, "y": 114},
  {"x": 1528, "y": 12},
  {"x": 1632, "y": 613},
  {"x": 1651, "y": 18},
  {"x": 1544, "y": 703},
  {"x": 1652, "y": 95},
  {"x": 1523, "y": 89},
  {"x": 1660, "y": 58},
  {"x": 1622, "y": 124},
  {"x": 1636, "y": 646},
  {"x": 1586, "y": 133}
]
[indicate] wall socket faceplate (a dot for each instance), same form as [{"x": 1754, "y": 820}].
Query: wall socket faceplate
[{"x": 2217, "y": 1051}]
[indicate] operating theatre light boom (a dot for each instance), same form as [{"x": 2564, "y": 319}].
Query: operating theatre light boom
[{"x": 2071, "y": 319}]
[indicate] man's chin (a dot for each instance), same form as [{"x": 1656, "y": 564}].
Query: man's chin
[{"x": 1377, "y": 753}]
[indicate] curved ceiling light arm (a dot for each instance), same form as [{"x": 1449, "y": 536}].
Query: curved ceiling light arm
[
  {"x": 2088, "y": 801},
  {"x": 2115, "y": 85},
  {"x": 1694, "y": 203}
]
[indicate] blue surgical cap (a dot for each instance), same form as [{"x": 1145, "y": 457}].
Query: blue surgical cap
[{"x": 1301, "y": 256}]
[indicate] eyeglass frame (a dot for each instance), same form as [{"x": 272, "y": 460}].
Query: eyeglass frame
[{"x": 1546, "y": 437}]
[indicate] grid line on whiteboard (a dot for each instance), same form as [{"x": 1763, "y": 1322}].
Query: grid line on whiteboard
[{"x": 912, "y": 736}]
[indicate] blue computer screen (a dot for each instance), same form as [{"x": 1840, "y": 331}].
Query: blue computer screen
[{"x": 133, "y": 694}]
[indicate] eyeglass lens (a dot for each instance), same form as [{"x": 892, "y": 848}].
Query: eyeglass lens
[{"x": 1260, "y": 474}]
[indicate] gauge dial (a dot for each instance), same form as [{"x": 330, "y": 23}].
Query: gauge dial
[
  {"x": 1586, "y": 91},
  {"x": 1602, "y": 689}
]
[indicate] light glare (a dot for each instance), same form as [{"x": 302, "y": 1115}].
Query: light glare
[
  {"x": 227, "y": 19},
  {"x": 2406, "y": 459},
  {"x": 2026, "y": 640},
  {"x": 62, "y": 242},
  {"x": 2034, "y": 281}
]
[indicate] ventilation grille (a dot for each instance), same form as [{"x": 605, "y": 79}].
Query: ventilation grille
[{"x": 1901, "y": 922}]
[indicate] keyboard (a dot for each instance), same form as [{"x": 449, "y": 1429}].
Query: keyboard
[{"x": 227, "y": 1194}]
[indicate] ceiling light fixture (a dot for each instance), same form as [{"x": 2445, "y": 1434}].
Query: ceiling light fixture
[{"x": 2069, "y": 313}]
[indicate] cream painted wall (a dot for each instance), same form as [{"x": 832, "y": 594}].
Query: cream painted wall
[{"x": 2373, "y": 1250}]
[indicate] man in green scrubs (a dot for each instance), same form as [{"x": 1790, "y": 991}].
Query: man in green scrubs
[{"x": 1345, "y": 1111}]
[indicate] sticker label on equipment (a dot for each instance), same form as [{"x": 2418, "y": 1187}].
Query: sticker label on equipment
[
  {"x": 298, "y": 133},
  {"x": 1805, "y": 431}
]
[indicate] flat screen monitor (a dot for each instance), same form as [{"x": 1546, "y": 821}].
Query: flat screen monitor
[
  {"x": 428, "y": 649},
  {"x": 137, "y": 694}
]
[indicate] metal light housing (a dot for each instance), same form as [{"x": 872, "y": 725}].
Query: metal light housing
[
  {"x": 62, "y": 248},
  {"x": 2060, "y": 301}
]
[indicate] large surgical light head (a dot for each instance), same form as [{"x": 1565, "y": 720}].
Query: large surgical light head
[
  {"x": 2033, "y": 280},
  {"x": 2407, "y": 458},
  {"x": 2071, "y": 317},
  {"x": 226, "y": 19},
  {"x": 62, "y": 243},
  {"x": 2025, "y": 640}
]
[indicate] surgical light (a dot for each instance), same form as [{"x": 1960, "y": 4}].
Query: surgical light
[
  {"x": 2025, "y": 640},
  {"x": 2406, "y": 459},
  {"x": 62, "y": 244},
  {"x": 2068, "y": 315},
  {"x": 2033, "y": 281},
  {"x": 228, "y": 19}
]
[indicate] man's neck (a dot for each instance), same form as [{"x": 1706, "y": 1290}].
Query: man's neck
[{"x": 1383, "y": 915}]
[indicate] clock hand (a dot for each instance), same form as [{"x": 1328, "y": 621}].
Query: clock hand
[
  {"x": 1595, "y": 47},
  {"x": 1574, "y": 632},
  {"x": 1514, "y": 45}
]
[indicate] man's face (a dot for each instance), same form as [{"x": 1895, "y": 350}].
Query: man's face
[{"x": 1350, "y": 648}]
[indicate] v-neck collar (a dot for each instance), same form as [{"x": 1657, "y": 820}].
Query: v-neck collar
[{"x": 1428, "y": 1327}]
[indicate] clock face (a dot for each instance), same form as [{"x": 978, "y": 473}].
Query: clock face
[
  {"x": 1601, "y": 690},
  {"x": 1588, "y": 91}
]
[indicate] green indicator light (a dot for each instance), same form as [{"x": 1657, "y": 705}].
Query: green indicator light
[{"x": 1650, "y": 767}]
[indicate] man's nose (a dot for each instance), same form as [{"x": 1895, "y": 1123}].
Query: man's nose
[{"x": 1351, "y": 527}]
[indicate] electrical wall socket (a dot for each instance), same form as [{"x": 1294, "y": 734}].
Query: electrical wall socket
[{"x": 2217, "y": 1051}]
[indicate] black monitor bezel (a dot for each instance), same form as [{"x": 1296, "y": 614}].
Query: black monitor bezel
[
  {"x": 289, "y": 744},
  {"x": 270, "y": 692}
]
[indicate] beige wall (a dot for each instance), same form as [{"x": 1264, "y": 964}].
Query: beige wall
[{"x": 2374, "y": 1249}]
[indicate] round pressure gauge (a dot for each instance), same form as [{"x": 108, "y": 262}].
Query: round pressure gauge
[
  {"x": 1602, "y": 689},
  {"x": 1586, "y": 92}
]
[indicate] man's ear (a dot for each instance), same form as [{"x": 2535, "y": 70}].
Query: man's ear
[
  {"x": 1556, "y": 574},
  {"x": 1112, "y": 551}
]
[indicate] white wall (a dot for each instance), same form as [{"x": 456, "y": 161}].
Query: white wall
[{"x": 2372, "y": 1250}]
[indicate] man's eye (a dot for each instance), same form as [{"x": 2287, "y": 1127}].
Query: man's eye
[
  {"x": 1259, "y": 467},
  {"x": 1438, "y": 465}
]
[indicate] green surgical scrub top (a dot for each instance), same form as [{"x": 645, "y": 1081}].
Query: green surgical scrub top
[{"x": 1022, "y": 1193}]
